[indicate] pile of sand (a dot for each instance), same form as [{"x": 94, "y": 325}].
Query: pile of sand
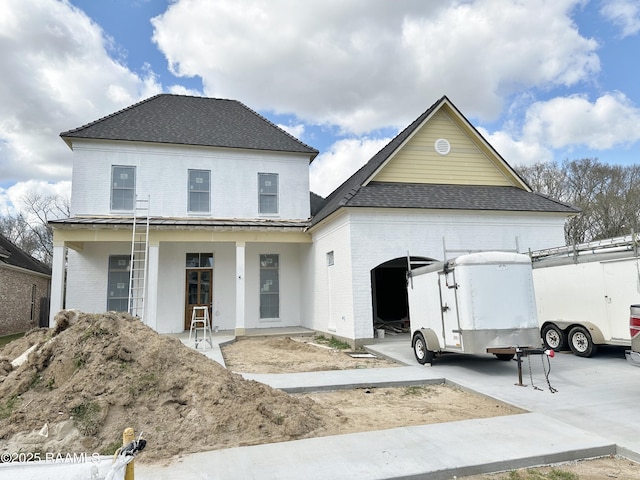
[{"x": 83, "y": 384}]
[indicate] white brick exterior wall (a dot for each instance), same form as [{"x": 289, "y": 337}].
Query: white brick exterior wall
[
  {"x": 329, "y": 289},
  {"x": 371, "y": 237},
  {"x": 162, "y": 173}
]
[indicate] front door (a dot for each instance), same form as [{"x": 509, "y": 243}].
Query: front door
[{"x": 199, "y": 292}]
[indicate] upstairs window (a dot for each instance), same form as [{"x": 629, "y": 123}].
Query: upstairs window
[
  {"x": 268, "y": 193},
  {"x": 199, "y": 191},
  {"x": 123, "y": 188}
]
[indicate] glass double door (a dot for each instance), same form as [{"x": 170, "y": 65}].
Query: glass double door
[{"x": 199, "y": 292}]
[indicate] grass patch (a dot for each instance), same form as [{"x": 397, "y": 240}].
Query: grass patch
[
  {"x": 145, "y": 383},
  {"x": 332, "y": 342},
  {"x": 79, "y": 361},
  {"x": 414, "y": 390},
  {"x": 94, "y": 331},
  {"x": 86, "y": 417},
  {"x": 111, "y": 448},
  {"x": 10, "y": 338},
  {"x": 6, "y": 408},
  {"x": 553, "y": 474}
]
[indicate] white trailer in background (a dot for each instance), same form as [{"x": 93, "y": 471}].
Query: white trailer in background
[
  {"x": 477, "y": 303},
  {"x": 583, "y": 293}
]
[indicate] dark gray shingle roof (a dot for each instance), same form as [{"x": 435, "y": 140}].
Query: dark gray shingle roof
[
  {"x": 455, "y": 197},
  {"x": 185, "y": 120},
  {"x": 400, "y": 195},
  {"x": 11, "y": 254}
]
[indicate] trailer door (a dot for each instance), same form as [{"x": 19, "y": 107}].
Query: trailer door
[
  {"x": 449, "y": 308},
  {"x": 622, "y": 288}
]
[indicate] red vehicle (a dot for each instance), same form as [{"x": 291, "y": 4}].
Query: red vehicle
[{"x": 633, "y": 355}]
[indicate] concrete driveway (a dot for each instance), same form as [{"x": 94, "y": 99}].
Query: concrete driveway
[{"x": 600, "y": 394}]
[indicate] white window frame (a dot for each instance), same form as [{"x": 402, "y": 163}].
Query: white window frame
[
  {"x": 190, "y": 190},
  {"x": 114, "y": 187},
  {"x": 270, "y": 290},
  {"x": 262, "y": 194},
  {"x": 124, "y": 261}
]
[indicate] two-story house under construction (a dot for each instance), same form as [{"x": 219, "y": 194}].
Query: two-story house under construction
[{"x": 219, "y": 198}]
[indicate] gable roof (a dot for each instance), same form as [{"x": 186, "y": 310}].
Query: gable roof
[
  {"x": 186, "y": 120},
  {"x": 11, "y": 254},
  {"x": 362, "y": 190}
]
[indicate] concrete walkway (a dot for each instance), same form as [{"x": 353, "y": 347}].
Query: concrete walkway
[{"x": 592, "y": 413}]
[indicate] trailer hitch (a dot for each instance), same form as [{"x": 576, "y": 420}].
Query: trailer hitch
[
  {"x": 521, "y": 352},
  {"x": 526, "y": 352}
]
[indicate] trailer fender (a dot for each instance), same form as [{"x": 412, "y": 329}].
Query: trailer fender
[
  {"x": 430, "y": 338},
  {"x": 594, "y": 331}
]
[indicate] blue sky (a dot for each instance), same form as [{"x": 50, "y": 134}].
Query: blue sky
[{"x": 542, "y": 80}]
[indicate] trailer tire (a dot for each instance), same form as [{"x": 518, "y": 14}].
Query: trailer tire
[
  {"x": 554, "y": 338},
  {"x": 420, "y": 350},
  {"x": 580, "y": 342}
]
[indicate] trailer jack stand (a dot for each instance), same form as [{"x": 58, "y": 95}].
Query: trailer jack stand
[
  {"x": 525, "y": 352},
  {"x": 520, "y": 352}
]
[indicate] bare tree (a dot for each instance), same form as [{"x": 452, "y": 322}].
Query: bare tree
[
  {"x": 607, "y": 195},
  {"x": 30, "y": 229}
]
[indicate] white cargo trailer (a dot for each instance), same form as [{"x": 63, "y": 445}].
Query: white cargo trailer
[
  {"x": 583, "y": 293},
  {"x": 477, "y": 303}
]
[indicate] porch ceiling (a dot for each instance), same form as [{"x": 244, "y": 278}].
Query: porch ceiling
[{"x": 74, "y": 232}]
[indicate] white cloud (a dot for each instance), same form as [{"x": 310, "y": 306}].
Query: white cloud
[
  {"x": 330, "y": 169},
  {"x": 612, "y": 120},
  {"x": 11, "y": 199},
  {"x": 517, "y": 152},
  {"x": 365, "y": 64},
  {"x": 568, "y": 123},
  {"x": 57, "y": 75},
  {"x": 294, "y": 130},
  {"x": 624, "y": 14}
]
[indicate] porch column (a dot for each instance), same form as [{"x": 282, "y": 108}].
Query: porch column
[
  {"x": 151, "y": 295},
  {"x": 240, "y": 288},
  {"x": 57, "y": 281}
]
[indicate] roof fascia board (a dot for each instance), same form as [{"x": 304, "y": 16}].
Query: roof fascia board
[
  {"x": 345, "y": 210},
  {"x": 86, "y": 143}
]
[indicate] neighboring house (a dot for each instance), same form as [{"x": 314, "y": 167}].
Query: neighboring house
[
  {"x": 24, "y": 290},
  {"x": 234, "y": 226}
]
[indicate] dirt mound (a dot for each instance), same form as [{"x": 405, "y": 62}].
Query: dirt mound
[{"x": 107, "y": 372}]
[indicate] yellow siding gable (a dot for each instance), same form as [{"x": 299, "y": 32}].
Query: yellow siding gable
[{"x": 469, "y": 161}]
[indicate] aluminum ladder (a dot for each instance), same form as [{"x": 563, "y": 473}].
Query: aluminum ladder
[{"x": 139, "y": 256}]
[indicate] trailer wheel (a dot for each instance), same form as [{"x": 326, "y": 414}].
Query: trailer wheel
[
  {"x": 420, "y": 350},
  {"x": 554, "y": 338},
  {"x": 580, "y": 342}
]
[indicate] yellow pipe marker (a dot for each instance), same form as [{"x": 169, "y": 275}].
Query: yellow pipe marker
[{"x": 128, "y": 436}]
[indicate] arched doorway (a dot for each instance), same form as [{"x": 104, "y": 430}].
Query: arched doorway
[{"x": 389, "y": 293}]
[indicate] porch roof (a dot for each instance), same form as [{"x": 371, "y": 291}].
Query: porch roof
[{"x": 228, "y": 224}]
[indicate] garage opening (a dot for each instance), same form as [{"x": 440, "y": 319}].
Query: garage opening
[{"x": 389, "y": 294}]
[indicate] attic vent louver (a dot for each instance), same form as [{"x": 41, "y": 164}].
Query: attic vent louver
[{"x": 442, "y": 146}]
